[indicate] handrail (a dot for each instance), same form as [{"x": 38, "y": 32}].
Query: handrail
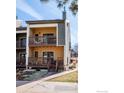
[{"x": 40, "y": 40}]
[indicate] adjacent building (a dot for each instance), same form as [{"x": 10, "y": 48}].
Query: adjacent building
[{"x": 21, "y": 33}]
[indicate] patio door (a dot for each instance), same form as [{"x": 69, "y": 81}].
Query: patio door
[
  {"x": 48, "y": 56},
  {"x": 36, "y": 38},
  {"x": 22, "y": 58},
  {"x": 23, "y": 42},
  {"x": 48, "y": 38}
]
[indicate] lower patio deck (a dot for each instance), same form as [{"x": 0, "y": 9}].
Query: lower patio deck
[
  {"x": 45, "y": 63},
  {"x": 20, "y": 64}
]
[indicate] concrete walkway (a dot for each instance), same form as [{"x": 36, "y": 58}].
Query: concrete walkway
[
  {"x": 49, "y": 87},
  {"x": 41, "y": 86},
  {"x": 19, "y": 83}
]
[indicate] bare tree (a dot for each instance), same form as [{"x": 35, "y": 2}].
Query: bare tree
[
  {"x": 74, "y": 51},
  {"x": 73, "y": 6}
]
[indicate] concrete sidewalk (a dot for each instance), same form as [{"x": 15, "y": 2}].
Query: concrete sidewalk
[
  {"x": 19, "y": 83},
  {"x": 49, "y": 87},
  {"x": 41, "y": 86}
]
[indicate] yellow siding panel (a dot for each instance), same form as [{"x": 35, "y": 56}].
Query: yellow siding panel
[
  {"x": 41, "y": 31},
  {"x": 58, "y": 51}
]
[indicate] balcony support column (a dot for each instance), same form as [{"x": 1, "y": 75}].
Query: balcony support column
[
  {"x": 27, "y": 46},
  {"x": 57, "y": 35}
]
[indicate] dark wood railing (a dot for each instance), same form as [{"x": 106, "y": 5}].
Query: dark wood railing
[
  {"x": 39, "y": 61},
  {"x": 40, "y": 40},
  {"x": 21, "y": 63},
  {"x": 46, "y": 62}
]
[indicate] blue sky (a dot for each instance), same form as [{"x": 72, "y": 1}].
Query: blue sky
[{"x": 35, "y": 10}]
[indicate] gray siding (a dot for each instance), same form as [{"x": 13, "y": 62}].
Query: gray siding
[{"x": 61, "y": 34}]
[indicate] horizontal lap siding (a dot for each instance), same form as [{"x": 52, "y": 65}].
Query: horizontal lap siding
[
  {"x": 58, "y": 51},
  {"x": 41, "y": 31}
]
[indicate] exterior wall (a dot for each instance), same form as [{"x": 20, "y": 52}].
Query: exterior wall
[
  {"x": 61, "y": 34},
  {"x": 42, "y": 31},
  {"x": 69, "y": 41},
  {"x": 58, "y": 51},
  {"x": 67, "y": 46}
]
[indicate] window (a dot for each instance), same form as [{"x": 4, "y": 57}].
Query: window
[
  {"x": 36, "y": 54},
  {"x": 48, "y": 56},
  {"x": 36, "y": 35}
]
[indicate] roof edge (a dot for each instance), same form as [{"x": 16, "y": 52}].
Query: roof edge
[
  {"x": 45, "y": 21},
  {"x": 21, "y": 28}
]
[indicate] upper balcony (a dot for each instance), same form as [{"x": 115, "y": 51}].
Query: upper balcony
[
  {"x": 42, "y": 41},
  {"x": 20, "y": 45}
]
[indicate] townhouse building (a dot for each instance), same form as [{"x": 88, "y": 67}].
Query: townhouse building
[{"x": 44, "y": 44}]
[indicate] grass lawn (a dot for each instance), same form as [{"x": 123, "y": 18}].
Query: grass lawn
[{"x": 71, "y": 77}]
